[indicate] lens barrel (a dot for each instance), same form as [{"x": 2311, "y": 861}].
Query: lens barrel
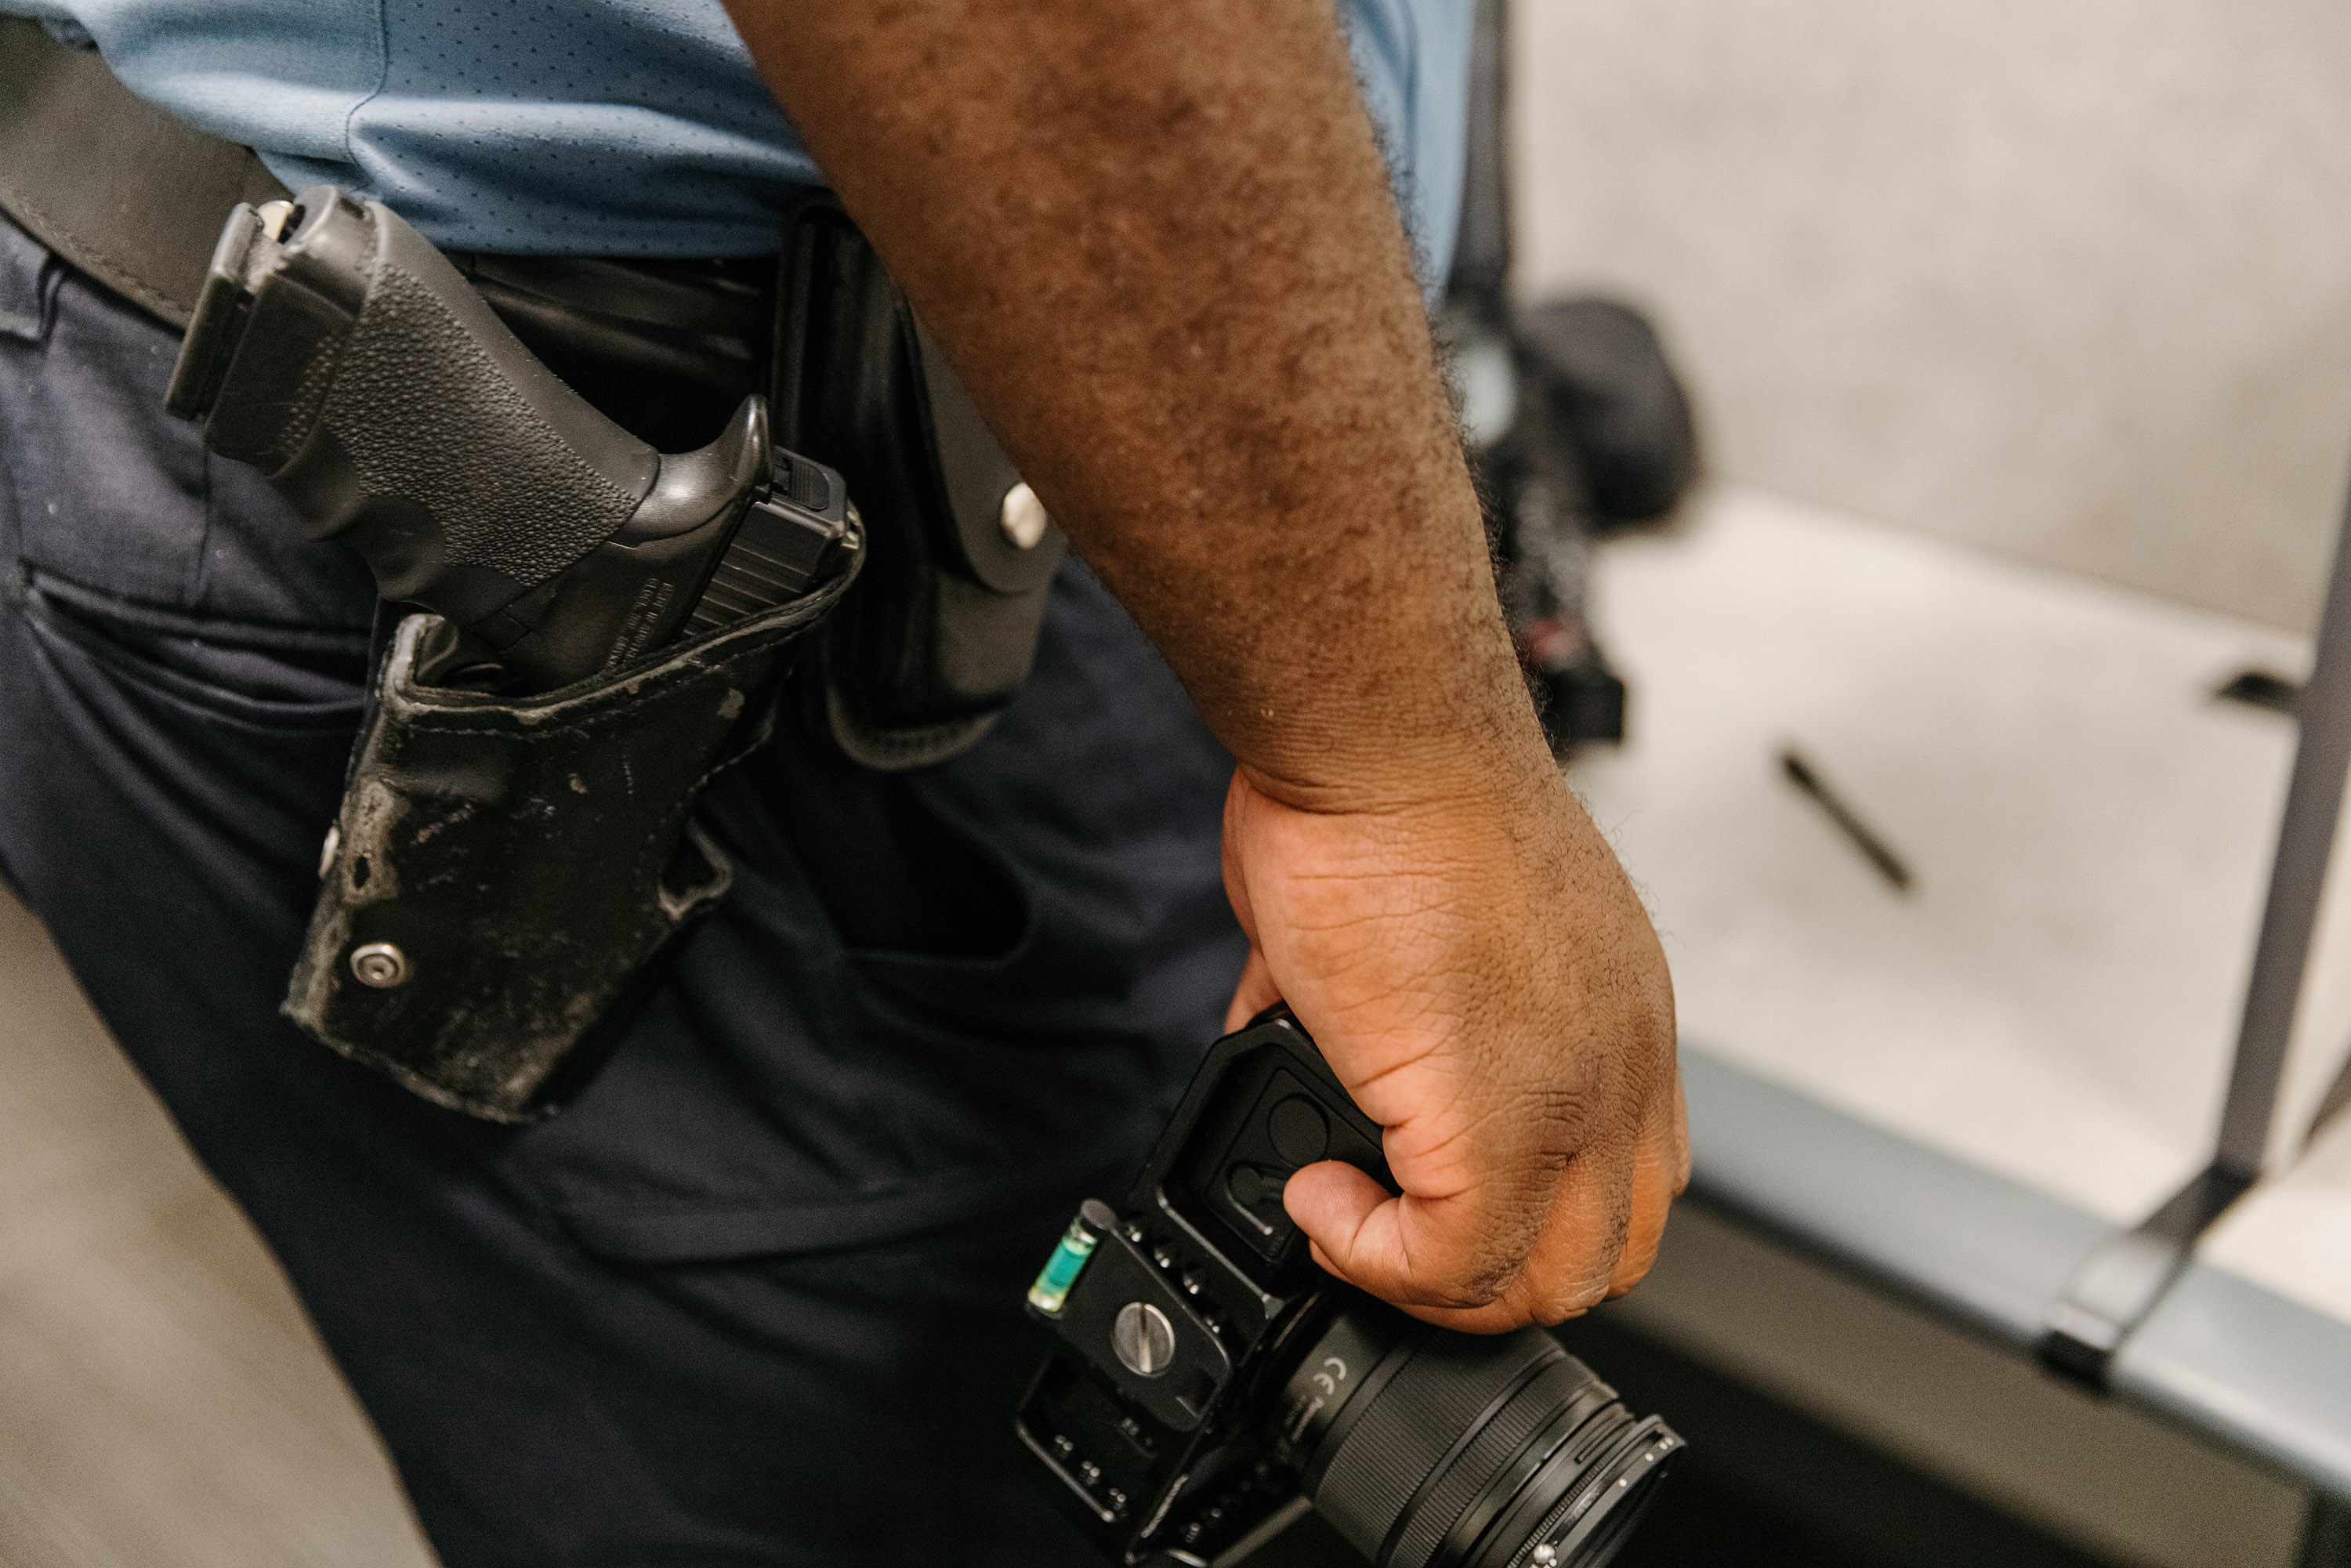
[{"x": 1455, "y": 1450}]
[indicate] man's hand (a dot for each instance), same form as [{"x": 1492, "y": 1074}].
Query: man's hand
[
  {"x": 1476, "y": 970},
  {"x": 1157, "y": 241}
]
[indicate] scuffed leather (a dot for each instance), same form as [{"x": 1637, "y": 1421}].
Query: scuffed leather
[{"x": 531, "y": 859}]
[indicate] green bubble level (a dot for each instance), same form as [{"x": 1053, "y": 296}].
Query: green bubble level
[{"x": 1061, "y": 1272}]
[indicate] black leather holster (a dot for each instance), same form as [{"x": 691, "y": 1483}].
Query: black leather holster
[{"x": 505, "y": 875}]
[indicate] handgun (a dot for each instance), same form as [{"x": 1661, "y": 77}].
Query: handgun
[{"x": 336, "y": 351}]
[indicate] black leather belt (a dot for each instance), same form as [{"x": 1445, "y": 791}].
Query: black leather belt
[
  {"x": 664, "y": 349},
  {"x": 108, "y": 181},
  {"x": 125, "y": 193}
]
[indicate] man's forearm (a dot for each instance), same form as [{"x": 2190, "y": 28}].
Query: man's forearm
[
  {"x": 1157, "y": 238},
  {"x": 1158, "y": 241}
]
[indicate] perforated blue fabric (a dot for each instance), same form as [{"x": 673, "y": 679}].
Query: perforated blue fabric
[{"x": 609, "y": 127}]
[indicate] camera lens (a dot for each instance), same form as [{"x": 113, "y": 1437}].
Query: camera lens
[{"x": 1428, "y": 1448}]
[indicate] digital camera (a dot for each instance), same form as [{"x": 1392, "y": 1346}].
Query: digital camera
[{"x": 1208, "y": 1382}]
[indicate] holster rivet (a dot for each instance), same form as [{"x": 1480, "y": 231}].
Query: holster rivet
[
  {"x": 380, "y": 965},
  {"x": 1022, "y": 516}
]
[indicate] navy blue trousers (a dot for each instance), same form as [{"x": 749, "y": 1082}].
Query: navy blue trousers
[{"x": 754, "y": 1297}]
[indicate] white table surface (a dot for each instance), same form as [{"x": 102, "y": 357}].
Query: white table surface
[{"x": 2056, "y": 998}]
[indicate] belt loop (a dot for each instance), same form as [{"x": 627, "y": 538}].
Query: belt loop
[{"x": 28, "y": 285}]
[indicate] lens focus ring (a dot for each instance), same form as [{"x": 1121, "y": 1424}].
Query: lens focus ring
[
  {"x": 1430, "y": 1519},
  {"x": 1450, "y": 1385}
]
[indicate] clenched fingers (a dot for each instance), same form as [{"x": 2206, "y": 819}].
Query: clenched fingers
[{"x": 1541, "y": 1258}]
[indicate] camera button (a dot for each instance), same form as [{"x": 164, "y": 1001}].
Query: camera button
[{"x": 1301, "y": 1133}]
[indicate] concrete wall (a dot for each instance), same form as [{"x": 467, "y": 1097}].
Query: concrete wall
[{"x": 2067, "y": 279}]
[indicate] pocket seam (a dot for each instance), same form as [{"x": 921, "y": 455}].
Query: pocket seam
[
  {"x": 967, "y": 1194},
  {"x": 259, "y": 636},
  {"x": 221, "y": 704}
]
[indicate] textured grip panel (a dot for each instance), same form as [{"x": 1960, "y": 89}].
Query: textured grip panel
[
  {"x": 428, "y": 416},
  {"x": 1424, "y": 1410}
]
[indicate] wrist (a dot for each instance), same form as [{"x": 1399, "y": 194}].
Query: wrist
[{"x": 1475, "y": 762}]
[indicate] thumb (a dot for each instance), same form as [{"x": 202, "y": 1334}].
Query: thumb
[
  {"x": 1238, "y": 795},
  {"x": 1379, "y": 1242}
]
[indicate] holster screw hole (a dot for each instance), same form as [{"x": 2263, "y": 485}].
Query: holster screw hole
[{"x": 380, "y": 965}]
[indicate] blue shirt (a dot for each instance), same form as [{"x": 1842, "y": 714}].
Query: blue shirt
[{"x": 610, "y": 127}]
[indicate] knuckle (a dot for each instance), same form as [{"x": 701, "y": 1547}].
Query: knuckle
[
  {"x": 1633, "y": 1268},
  {"x": 1561, "y": 1115},
  {"x": 1572, "y": 1302},
  {"x": 1482, "y": 1287}
]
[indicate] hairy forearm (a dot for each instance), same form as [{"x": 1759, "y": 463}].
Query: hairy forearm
[{"x": 1157, "y": 239}]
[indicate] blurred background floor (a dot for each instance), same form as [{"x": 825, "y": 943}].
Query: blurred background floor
[{"x": 163, "y": 1402}]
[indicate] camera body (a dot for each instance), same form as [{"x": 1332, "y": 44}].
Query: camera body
[{"x": 1208, "y": 1381}]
